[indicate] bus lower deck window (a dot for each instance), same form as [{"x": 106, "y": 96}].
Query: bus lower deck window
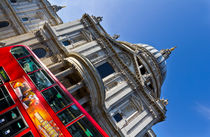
[
  {"x": 69, "y": 114},
  {"x": 83, "y": 128},
  {"x": 5, "y": 98},
  {"x": 56, "y": 99}
]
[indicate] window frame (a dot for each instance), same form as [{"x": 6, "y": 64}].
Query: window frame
[
  {"x": 102, "y": 63},
  {"x": 62, "y": 110},
  {"x": 36, "y": 62},
  {"x": 70, "y": 37},
  {"x": 13, "y": 2},
  {"x": 42, "y": 68},
  {"x": 120, "y": 109},
  {"x": 27, "y": 133},
  {"x": 47, "y": 76},
  {"x": 54, "y": 86},
  {"x": 81, "y": 118},
  {"x": 2, "y": 79},
  {"x": 46, "y": 50},
  {"x": 9, "y": 96},
  {"x": 20, "y": 117},
  {"x": 25, "y": 19},
  {"x": 6, "y": 26}
]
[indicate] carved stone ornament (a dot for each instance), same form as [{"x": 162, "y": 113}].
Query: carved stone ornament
[{"x": 125, "y": 58}]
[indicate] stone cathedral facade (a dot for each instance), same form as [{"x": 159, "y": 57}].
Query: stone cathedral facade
[{"x": 117, "y": 82}]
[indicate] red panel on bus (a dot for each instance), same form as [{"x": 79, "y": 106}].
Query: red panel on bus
[{"x": 35, "y": 103}]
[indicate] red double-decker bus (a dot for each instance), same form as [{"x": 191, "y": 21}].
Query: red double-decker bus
[{"x": 34, "y": 103}]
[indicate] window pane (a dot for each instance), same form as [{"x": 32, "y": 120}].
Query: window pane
[
  {"x": 117, "y": 117},
  {"x": 128, "y": 110},
  {"x": 19, "y": 52},
  {"x": 142, "y": 70},
  {"x": 5, "y": 99},
  {"x": 105, "y": 70},
  {"x": 4, "y": 24},
  {"x": 12, "y": 128},
  {"x": 40, "y": 52},
  {"x": 13, "y": 1},
  {"x": 4, "y": 75},
  {"x": 29, "y": 134},
  {"x": 66, "y": 42},
  {"x": 41, "y": 79},
  {"x": 9, "y": 116},
  {"x": 29, "y": 64},
  {"x": 69, "y": 114},
  {"x": 83, "y": 128},
  {"x": 78, "y": 38},
  {"x": 25, "y": 19},
  {"x": 11, "y": 123},
  {"x": 1, "y": 81},
  {"x": 56, "y": 98}
]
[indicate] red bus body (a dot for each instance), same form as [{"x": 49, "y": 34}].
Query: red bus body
[{"x": 34, "y": 103}]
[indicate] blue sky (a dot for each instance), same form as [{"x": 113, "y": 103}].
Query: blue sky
[{"x": 163, "y": 24}]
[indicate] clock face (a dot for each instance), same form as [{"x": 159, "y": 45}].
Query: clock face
[{"x": 125, "y": 58}]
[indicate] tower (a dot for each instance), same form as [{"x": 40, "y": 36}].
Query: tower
[{"x": 118, "y": 82}]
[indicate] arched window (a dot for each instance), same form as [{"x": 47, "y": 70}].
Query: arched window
[
  {"x": 4, "y": 24},
  {"x": 40, "y": 52},
  {"x": 13, "y": 1}
]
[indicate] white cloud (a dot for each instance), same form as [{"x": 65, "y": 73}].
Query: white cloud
[{"x": 204, "y": 110}]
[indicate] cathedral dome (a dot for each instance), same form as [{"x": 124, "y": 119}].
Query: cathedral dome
[{"x": 159, "y": 58}]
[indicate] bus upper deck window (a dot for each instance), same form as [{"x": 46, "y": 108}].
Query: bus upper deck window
[
  {"x": 19, "y": 52},
  {"x": 41, "y": 79},
  {"x": 29, "y": 64}
]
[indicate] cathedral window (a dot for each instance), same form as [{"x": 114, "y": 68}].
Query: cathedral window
[
  {"x": 141, "y": 67},
  {"x": 74, "y": 39},
  {"x": 78, "y": 38},
  {"x": 66, "y": 43},
  {"x": 25, "y": 19},
  {"x": 13, "y": 1},
  {"x": 128, "y": 110},
  {"x": 150, "y": 86},
  {"x": 146, "y": 135},
  {"x": 40, "y": 52},
  {"x": 112, "y": 84},
  {"x": 139, "y": 63},
  {"x": 4, "y": 24},
  {"x": 142, "y": 70},
  {"x": 118, "y": 117},
  {"x": 105, "y": 70},
  {"x": 125, "y": 111}
]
